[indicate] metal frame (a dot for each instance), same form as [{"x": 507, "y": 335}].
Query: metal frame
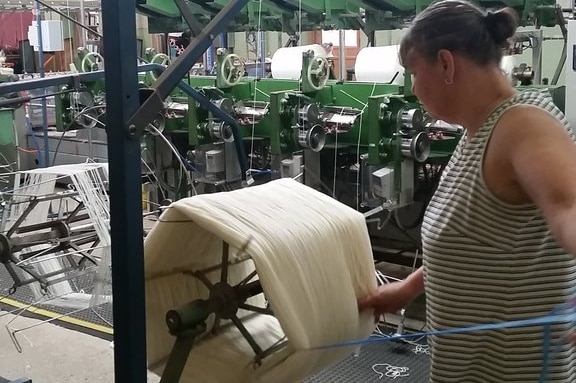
[{"x": 195, "y": 26}]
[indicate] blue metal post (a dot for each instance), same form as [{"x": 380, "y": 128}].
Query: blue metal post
[
  {"x": 42, "y": 74},
  {"x": 73, "y": 80},
  {"x": 122, "y": 100},
  {"x": 209, "y": 59}
]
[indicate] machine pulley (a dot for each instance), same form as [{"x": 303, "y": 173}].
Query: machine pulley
[
  {"x": 230, "y": 68},
  {"x": 313, "y": 138},
  {"x": 92, "y": 61},
  {"x": 318, "y": 72}
]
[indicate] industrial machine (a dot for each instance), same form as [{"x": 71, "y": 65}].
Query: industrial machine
[
  {"x": 364, "y": 135},
  {"x": 367, "y": 140},
  {"x": 368, "y": 144}
]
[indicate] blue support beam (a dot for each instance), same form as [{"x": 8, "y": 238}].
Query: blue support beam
[
  {"x": 42, "y": 75},
  {"x": 122, "y": 101},
  {"x": 125, "y": 120},
  {"x": 74, "y": 80}
]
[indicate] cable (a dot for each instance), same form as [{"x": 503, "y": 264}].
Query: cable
[
  {"x": 70, "y": 124},
  {"x": 177, "y": 154}
]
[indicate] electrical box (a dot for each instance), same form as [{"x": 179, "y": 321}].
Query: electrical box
[
  {"x": 215, "y": 161},
  {"x": 52, "y": 35},
  {"x": 383, "y": 183},
  {"x": 291, "y": 168}
]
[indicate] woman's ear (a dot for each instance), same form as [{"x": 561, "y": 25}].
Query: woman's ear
[{"x": 446, "y": 63}]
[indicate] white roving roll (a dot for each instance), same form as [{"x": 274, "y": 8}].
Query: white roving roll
[
  {"x": 379, "y": 64},
  {"x": 313, "y": 258},
  {"x": 287, "y": 62}
]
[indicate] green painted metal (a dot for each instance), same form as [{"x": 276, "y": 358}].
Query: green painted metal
[
  {"x": 159, "y": 7},
  {"x": 375, "y": 130},
  {"x": 7, "y": 137},
  {"x": 9, "y": 151},
  {"x": 283, "y": 15}
]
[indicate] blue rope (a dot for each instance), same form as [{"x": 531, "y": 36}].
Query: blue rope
[{"x": 553, "y": 318}]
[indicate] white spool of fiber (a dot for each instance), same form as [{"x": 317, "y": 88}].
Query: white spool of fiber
[
  {"x": 312, "y": 256},
  {"x": 287, "y": 62},
  {"x": 379, "y": 64}
]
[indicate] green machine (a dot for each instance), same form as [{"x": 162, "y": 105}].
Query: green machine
[
  {"x": 14, "y": 154},
  {"x": 370, "y": 137},
  {"x": 82, "y": 106},
  {"x": 371, "y": 145}
]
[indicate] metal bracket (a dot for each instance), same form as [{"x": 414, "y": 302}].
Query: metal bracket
[{"x": 292, "y": 41}]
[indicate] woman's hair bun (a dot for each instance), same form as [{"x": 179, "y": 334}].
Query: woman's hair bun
[{"x": 501, "y": 24}]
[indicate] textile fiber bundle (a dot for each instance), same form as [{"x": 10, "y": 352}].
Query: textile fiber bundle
[{"x": 312, "y": 255}]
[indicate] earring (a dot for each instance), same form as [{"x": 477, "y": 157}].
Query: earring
[{"x": 448, "y": 82}]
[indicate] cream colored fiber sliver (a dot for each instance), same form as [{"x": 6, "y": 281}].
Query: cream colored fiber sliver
[{"x": 313, "y": 258}]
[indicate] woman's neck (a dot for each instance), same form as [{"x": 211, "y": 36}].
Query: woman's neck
[{"x": 482, "y": 94}]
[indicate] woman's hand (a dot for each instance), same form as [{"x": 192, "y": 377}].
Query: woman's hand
[
  {"x": 389, "y": 298},
  {"x": 392, "y": 297}
]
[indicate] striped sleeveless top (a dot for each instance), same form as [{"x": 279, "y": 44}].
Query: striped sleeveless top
[{"x": 488, "y": 261}]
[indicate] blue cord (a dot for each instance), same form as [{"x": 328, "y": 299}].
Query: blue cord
[
  {"x": 552, "y": 318},
  {"x": 188, "y": 165}
]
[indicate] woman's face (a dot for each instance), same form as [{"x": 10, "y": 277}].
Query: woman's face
[{"x": 432, "y": 84}]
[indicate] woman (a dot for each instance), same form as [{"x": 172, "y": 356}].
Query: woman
[{"x": 498, "y": 233}]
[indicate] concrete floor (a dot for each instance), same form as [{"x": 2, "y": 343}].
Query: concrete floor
[{"x": 51, "y": 353}]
